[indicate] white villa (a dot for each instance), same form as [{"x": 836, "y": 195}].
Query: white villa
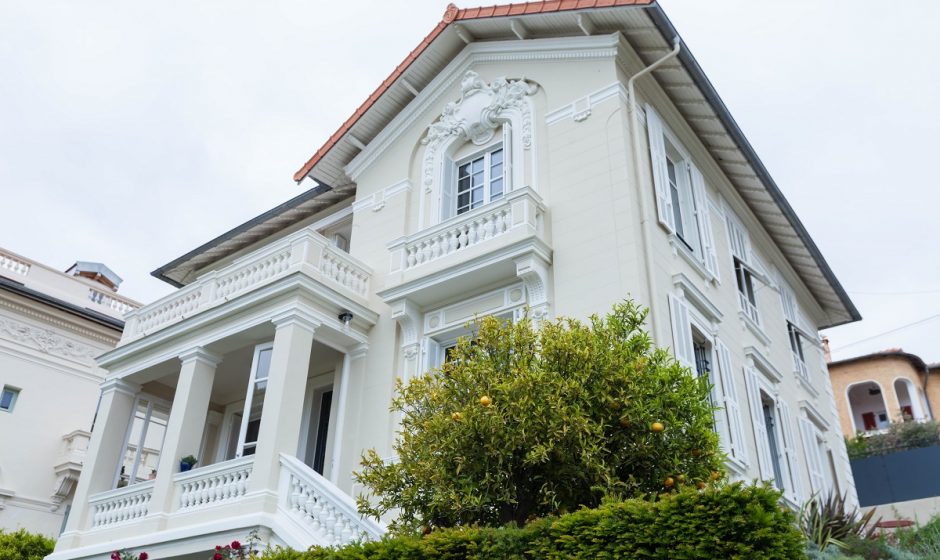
[
  {"x": 52, "y": 326},
  {"x": 559, "y": 156}
]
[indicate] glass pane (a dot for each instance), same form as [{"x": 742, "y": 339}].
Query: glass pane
[
  {"x": 477, "y": 165},
  {"x": 463, "y": 170},
  {"x": 671, "y": 170},
  {"x": 264, "y": 363},
  {"x": 463, "y": 184},
  {"x": 496, "y": 157},
  {"x": 496, "y": 171},
  {"x": 251, "y": 434},
  {"x": 477, "y": 197},
  {"x": 478, "y": 179},
  {"x": 496, "y": 189},
  {"x": 6, "y": 399},
  {"x": 463, "y": 202}
]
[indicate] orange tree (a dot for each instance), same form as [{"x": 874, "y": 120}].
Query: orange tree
[{"x": 534, "y": 419}]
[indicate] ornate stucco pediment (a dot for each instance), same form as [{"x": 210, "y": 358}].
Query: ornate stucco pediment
[{"x": 481, "y": 110}]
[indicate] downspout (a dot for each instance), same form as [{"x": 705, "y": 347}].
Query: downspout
[
  {"x": 926, "y": 394},
  {"x": 637, "y": 157}
]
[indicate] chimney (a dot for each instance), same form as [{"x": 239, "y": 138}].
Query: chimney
[
  {"x": 96, "y": 272},
  {"x": 826, "y": 353}
]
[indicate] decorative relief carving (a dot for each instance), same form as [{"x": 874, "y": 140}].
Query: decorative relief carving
[
  {"x": 480, "y": 111},
  {"x": 47, "y": 340}
]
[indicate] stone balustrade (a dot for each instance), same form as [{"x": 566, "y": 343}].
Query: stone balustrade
[
  {"x": 321, "y": 508},
  {"x": 749, "y": 309},
  {"x": 215, "y": 484},
  {"x": 121, "y": 505},
  {"x": 111, "y": 301},
  {"x": 519, "y": 208},
  {"x": 11, "y": 264},
  {"x": 304, "y": 250}
]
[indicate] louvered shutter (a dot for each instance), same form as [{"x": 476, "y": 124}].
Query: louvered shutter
[
  {"x": 507, "y": 158},
  {"x": 760, "y": 428},
  {"x": 791, "y": 461},
  {"x": 448, "y": 189},
  {"x": 681, "y": 332},
  {"x": 433, "y": 355},
  {"x": 654, "y": 128},
  {"x": 703, "y": 214},
  {"x": 738, "y": 239},
  {"x": 813, "y": 457},
  {"x": 732, "y": 407}
]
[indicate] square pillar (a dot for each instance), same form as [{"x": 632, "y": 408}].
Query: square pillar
[
  {"x": 282, "y": 411},
  {"x": 186, "y": 423},
  {"x": 352, "y": 362},
  {"x": 104, "y": 452}
]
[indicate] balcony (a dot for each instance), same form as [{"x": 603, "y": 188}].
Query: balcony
[
  {"x": 345, "y": 278},
  {"x": 471, "y": 249}
]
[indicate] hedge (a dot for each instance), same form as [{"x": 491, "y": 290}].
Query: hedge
[
  {"x": 22, "y": 545},
  {"x": 731, "y": 522}
]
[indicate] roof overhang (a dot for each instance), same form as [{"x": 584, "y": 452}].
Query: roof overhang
[
  {"x": 915, "y": 360},
  {"x": 649, "y": 30}
]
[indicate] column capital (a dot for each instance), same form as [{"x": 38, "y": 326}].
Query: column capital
[
  {"x": 200, "y": 354},
  {"x": 296, "y": 317},
  {"x": 119, "y": 385},
  {"x": 359, "y": 351}
]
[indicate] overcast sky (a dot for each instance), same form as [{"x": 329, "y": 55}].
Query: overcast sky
[{"x": 131, "y": 133}]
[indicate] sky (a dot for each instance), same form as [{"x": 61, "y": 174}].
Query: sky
[{"x": 131, "y": 133}]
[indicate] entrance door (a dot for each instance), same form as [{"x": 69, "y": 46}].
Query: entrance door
[
  {"x": 323, "y": 425},
  {"x": 254, "y": 400},
  {"x": 869, "y": 420}
]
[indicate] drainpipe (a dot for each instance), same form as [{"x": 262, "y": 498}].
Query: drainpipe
[
  {"x": 637, "y": 157},
  {"x": 926, "y": 394}
]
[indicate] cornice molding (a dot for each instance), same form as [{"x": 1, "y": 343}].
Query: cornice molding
[
  {"x": 377, "y": 199},
  {"x": 580, "y": 109},
  {"x": 48, "y": 341},
  {"x": 57, "y": 321},
  {"x": 200, "y": 354}
]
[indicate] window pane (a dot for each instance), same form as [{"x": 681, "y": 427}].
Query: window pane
[
  {"x": 478, "y": 179},
  {"x": 496, "y": 188},
  {"x": 496, "y": 157},
  {"x": 6, "y": 399},
  {"x": 264, "y": 363},
  {"x": 463, "y": 202},
  {"x": 477, "y": 197},
  {"x": 477, "y": 165},
  {"x": 496, "y": 172},
  {"x": 463, "y": 184},
  {"x": 463, "y": 170}
]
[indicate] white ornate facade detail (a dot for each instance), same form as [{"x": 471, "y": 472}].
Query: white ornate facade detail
[
  {"x": 536, "y": 275},
  {"x": 47, "y": 340},
  {"x": 481, "y": 110}
]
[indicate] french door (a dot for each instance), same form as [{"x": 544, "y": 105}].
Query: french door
[{"x": 254, "y": 400}]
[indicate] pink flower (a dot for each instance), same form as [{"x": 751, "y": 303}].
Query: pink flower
[
  {"x": 218, "y": 547},
  {"x": 115, "y": 555},
  {"x": 143, "y": 556},
  {"x": 217, "y": 556},
  {"x": 236, "y": 545}
]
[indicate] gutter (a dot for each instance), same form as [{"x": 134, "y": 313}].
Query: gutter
[
  {"x": 635, "y": 138},
  {"x": 665, "y": 27}
]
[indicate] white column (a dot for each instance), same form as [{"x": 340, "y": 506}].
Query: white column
[
  {"x": 282, "y": 411},
  {"x": 104, "y": 450},
  {"x": 186, "y": 423},
  {"x": 342, "y": 407}
]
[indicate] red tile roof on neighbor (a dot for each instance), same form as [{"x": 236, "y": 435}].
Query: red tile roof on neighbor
[{"x": 452, "y": 14}]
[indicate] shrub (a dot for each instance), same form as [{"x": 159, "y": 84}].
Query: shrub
[
  {"x": 827, "y": 521},
  {"x": 531, "y": 420},
  {"x": 900, "y": 435},
  {"x": 730, "y": 522},
  {"x": 22, "y": 545}
]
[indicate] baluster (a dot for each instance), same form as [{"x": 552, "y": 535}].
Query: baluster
[
  {"x": 464, "y": 236},
  {"x": 452, "y": 240},
  {"x": 488, "y": 226},
  {"x": 410, "y": 259}
]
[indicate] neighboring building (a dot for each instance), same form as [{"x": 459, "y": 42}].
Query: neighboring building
[
  {"x": 874, "y": 390},
  {"x": 461, "y": 188},
  {"x": 52, "y": 326}
]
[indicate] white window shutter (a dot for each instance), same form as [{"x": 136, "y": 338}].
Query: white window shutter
[
  {"x": 654, "y": 128},
  {"x": 732, "y": 406},
  {"x": 760, "y": 428},
  {"x": 507, "y": 158},
  {"x": 448, "y": 189},
  {"x": 738, "y": 239},
  {"x": 791, "y": 460},
  {"x": 681, "y": 332},
  {"x": 703, "y": 214},
  {"x": 433, "y": 354},
  {"x": 813, "y": 457}
]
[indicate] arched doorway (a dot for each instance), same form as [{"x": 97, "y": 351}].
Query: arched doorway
[
  {"x": 867, "y": 407},
  {"x": 908, "y": 399}
]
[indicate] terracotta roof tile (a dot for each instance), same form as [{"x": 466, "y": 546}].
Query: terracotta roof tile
[{"x": 451, "y": 15}]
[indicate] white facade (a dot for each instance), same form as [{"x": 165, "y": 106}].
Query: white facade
[
  {"x": 478, "y": 192},
  {"x": 52, "y": 325}
]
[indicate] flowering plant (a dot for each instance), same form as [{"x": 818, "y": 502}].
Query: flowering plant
[
  {"x": 126, "y": 555},
  {"x": 235, "y": 550}
]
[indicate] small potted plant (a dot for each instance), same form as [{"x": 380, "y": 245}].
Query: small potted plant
[{"x": 187, "y": 462}]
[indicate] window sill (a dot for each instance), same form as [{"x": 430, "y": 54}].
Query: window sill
[
  {"x": 680, "y": 248},
  {"x": 736, "y": 467},
  {"x": 755, "y": 329},
  {"x": 806, "y": 385}
]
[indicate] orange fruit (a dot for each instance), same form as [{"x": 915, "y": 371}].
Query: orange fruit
[
  {"x": 456, "y": 416},
  {"x": 657, "y": 427},
  {"x": 669, "y": 482},
  {"x": 715, "y": 475},
  {"x": 680, "y": 478},
  {"x": 486, "y": 401}
]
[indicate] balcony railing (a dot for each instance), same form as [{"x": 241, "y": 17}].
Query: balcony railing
[
  {"x": 11, "y": 264},
  {"x": 322, "y": 508},
  {"x": 305, "y": 249},
  {"x": 111, "y": 301},
  {"x": 749, "y": 309},
  {"x": 800, "y": 366},
  {"x": 122, "y": 505},
  {"x": 519, "y": 208},
  {"x": 215, "y": 484}
]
